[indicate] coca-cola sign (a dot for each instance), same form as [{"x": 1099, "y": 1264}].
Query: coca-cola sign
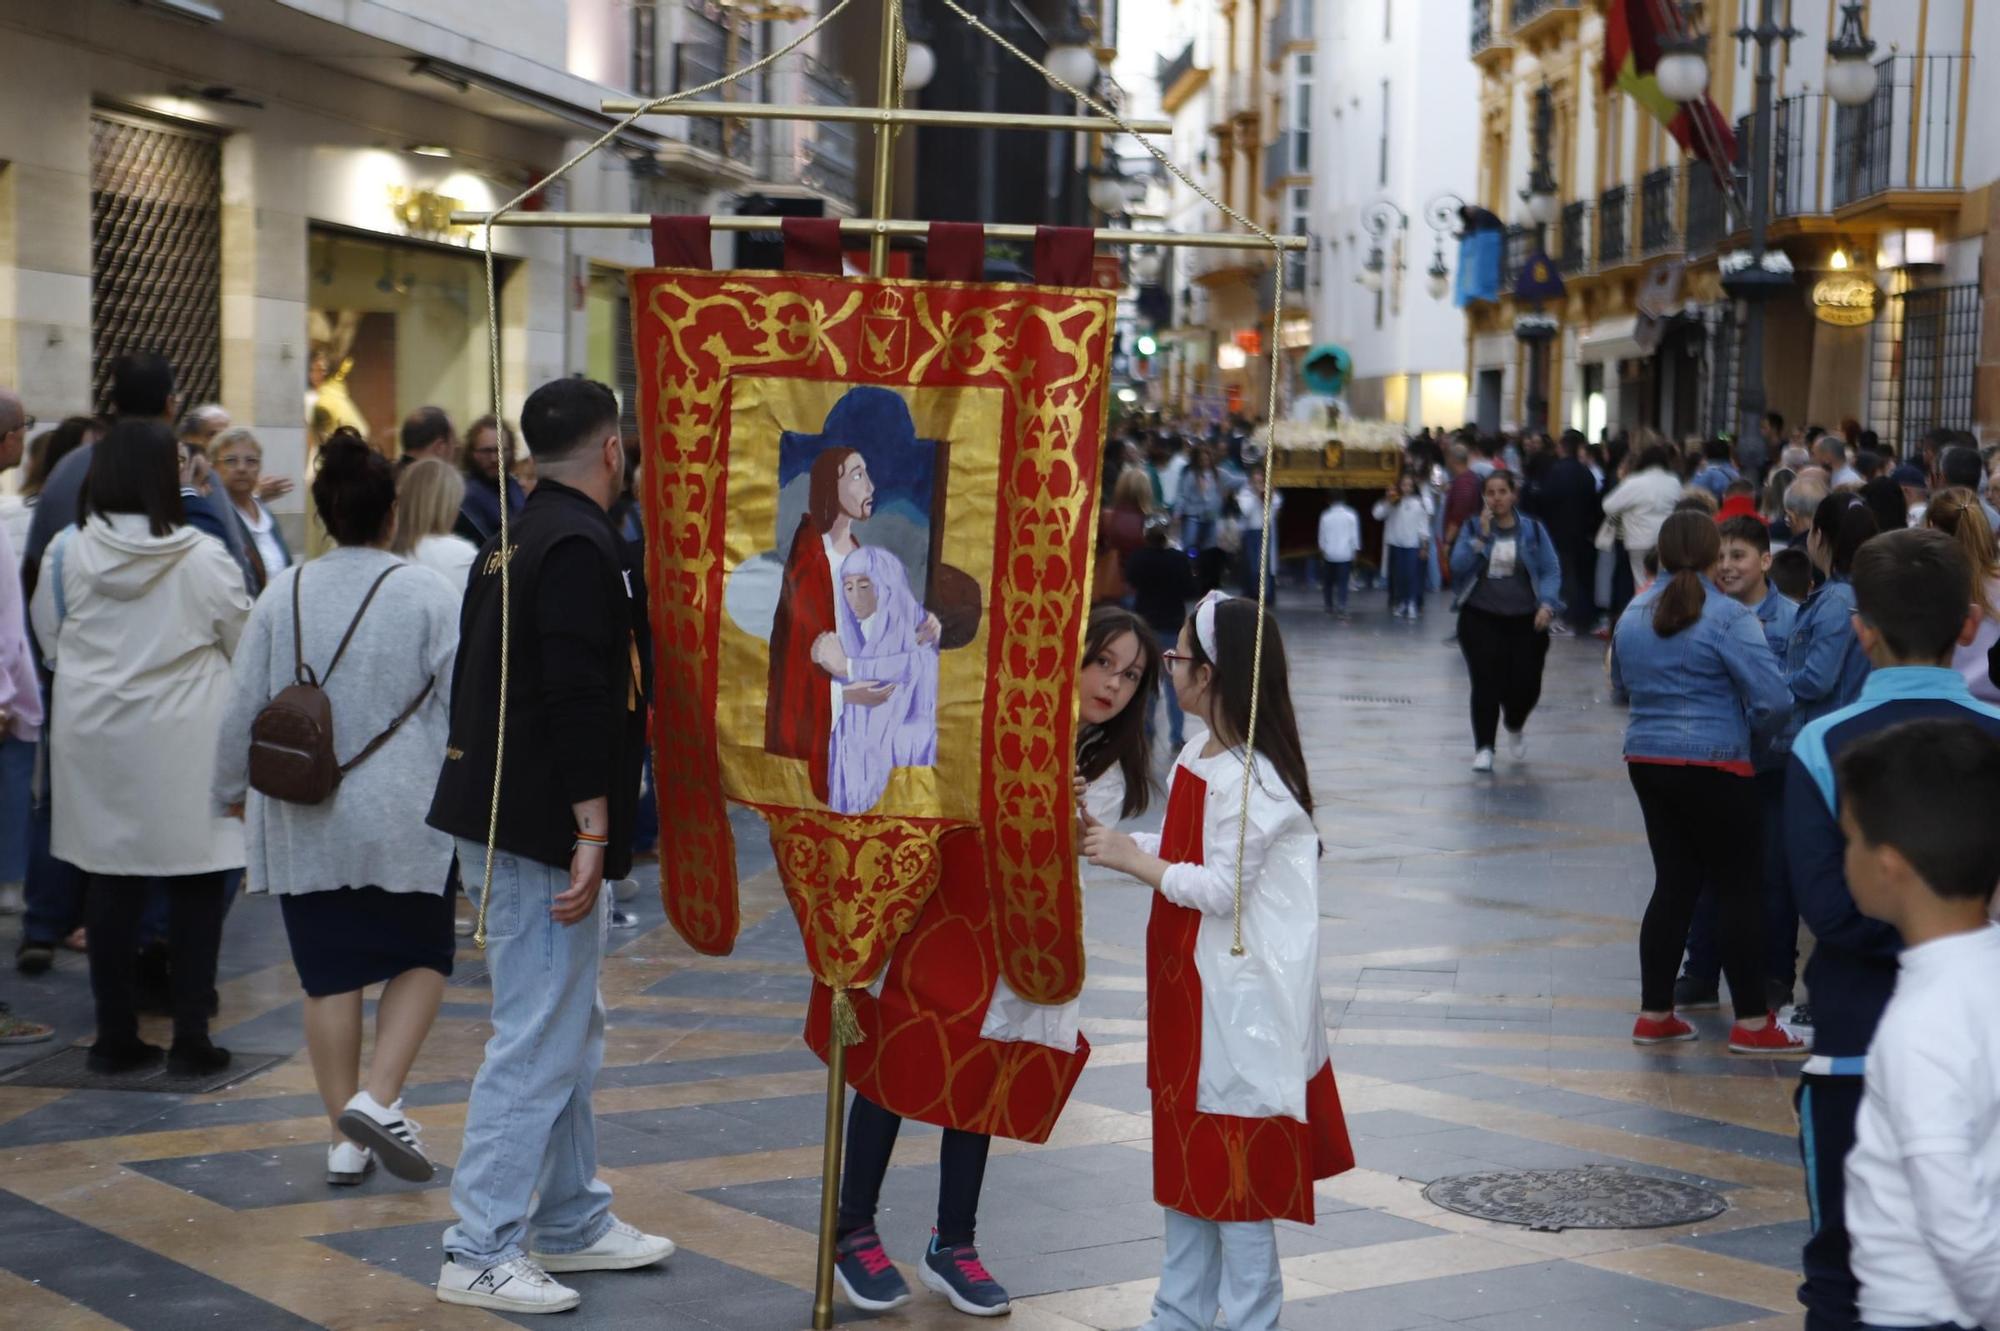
[{"x": 1844, "y": 299}]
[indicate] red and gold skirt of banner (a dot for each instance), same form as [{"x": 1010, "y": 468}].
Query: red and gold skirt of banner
[
  {"x": 921, "y": 1054},
  {"x": 1220, "y": 1167}
]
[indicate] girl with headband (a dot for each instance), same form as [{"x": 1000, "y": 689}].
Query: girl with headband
[{"x": 1236, "y": 1053}]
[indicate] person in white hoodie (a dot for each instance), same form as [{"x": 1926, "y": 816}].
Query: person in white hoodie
[
  {"x": 138, "y": 615},
  {"x": 1641, "y": 503},
  {"x": 1339, "y": 542}
]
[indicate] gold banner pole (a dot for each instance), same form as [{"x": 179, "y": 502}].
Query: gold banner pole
[
  {"x": 1195, "y": 240},
  {"x": 868, "y": 115}
]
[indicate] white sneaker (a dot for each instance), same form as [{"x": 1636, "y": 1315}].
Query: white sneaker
[
  {"x": 384, "y": 1130},
  {"x": 622, "y": 1248},
  {"x": 1517, "y": 745},
  {"x": 517, "y": 1286},
  {"x": 347, "y": 1164},
  {"x": 464, "y": 926},
  {"x": 1482, "y": 761},
  {"x": 624, "y": 889},
  {"x": 12, "y": 901},
  {"x": 623, "y": 919}
]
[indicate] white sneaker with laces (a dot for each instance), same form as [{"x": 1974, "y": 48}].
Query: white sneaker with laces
[
  {"x": 1517, "y": 745},
  {"x": 384, "y": 1130},
  {"x": 1482, "y": 761},
  {"x": 516, "y": 1286},
  {"x": 347, "y": 1164},
  {"x": 623, "y": 1248}
]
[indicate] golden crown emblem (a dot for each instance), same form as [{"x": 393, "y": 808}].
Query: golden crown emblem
[{"x": 888, "y": 302}]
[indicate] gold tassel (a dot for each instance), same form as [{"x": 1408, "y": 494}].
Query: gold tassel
[{"x": 846, "y": 1025}]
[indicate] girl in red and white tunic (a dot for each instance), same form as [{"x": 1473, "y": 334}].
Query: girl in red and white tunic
[
  {"x": 949, "y": 1042},
  {"x": 1245, "y": 1113}
]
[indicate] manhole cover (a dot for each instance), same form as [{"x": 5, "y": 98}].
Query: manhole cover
[
  {"x": 1377, "y": 700},
  {"x": 68, "y": 1070},
  {"x": 1557, "y": 1199}
]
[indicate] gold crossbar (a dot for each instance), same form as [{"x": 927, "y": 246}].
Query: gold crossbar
[
  {"x": 863, "y": 226},
  {"x": 872, "y": 115}
]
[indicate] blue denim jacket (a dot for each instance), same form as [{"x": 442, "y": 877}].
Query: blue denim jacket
[
  {"x": 1700, "y": 695},
  {"x": 1537, "y": 555},
  {"x": 1778, "y": 614},
  {"x": 1824, "y": 664}
]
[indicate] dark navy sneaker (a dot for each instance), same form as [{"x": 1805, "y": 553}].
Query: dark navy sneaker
[
  {"x": 1693, "y": 994},
  {"x": 868, "y": 1279},
  {"x": 958, "y": 1274}
]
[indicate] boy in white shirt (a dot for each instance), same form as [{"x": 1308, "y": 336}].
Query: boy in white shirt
[
  {"x": 1339, "y": 542},
  {"x": 1923, "y": 1179}
]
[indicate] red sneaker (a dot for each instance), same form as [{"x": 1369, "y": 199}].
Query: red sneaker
[
  {"x": 1647, "y": 1031},
  {"x": 1772, "y": 1039}
]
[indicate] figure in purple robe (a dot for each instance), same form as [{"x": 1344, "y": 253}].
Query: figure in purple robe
[{"x": 895, "y": 725}]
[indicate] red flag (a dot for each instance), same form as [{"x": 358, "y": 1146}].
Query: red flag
[{"x": 1632, "y": 32}]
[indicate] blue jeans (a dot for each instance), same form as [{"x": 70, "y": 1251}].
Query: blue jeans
[
  {"x": 1406, "y": 575},
  {"x": 54, "y": 887},
  {"x": 1229, "y": 1267},
  {"x": 1334, "y": 579},
  {"x": 17, "y": 771},
  {"x": 1176, "y": 726},
  {"x": 530, "y": 1151}
]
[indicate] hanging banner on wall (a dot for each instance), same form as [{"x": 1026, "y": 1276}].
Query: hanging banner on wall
[{"x": 871, "y": 506}]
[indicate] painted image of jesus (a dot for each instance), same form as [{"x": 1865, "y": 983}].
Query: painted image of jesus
[{"x": 886, "y": 658}]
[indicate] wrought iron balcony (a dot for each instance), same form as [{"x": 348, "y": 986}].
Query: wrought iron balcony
[
  {"x": 1514, "y": 255},
  {"x": 1527, "y": 11},
  {"x": 1484, "y": 29},
  {"x": 1575, "y": 239},
  {"x": 1168, "y": 72},
  {"x": 1707, "y": 209},
  {"x": 1908, "y": 136},
  {"x": 1611, "y": 228},
  {"x": 1659, "y": 211}
]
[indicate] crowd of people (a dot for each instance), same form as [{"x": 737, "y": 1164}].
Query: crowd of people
[{"x": 1805, "y": 636}]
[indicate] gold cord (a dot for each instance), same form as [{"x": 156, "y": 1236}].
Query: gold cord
[
  {"x": 1270, "y": 421},
  {"x": 506, "y": 442}
]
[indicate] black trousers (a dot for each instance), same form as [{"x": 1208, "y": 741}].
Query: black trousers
[
  {"x": 195, "y": 907},
  {"x": 871, "y": 1136},
  {"x": 1504, "y": 654},
  {"x": 1828, "y": 1107},
  {"x": 1705, "y": 827}
]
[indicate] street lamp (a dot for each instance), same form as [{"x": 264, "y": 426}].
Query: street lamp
[
  {"x": 919, "y": 66},
  {"x": 1682, "y": 71},
  {"x": 1107, "y": 188},
  {"x": 1850, "y": 71},
  {"x": 1377, "y": 219},
  {"x": 1070, "y": 57},
  {"x": 1444, "y": 214}
]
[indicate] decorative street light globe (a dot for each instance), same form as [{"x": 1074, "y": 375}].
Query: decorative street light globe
[
  {"x": 1851, "y": 76},
  {"x": 919, "y": 66},
  {"x": 1107, "y": 192},
  {"x": 1074, "y": 64},
  {"x": 1683, "y": 69},
  {"x": 1544, "y": 207}
]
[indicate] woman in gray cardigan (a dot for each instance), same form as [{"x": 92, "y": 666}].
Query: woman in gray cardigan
[{"x": 361, "y": 878}]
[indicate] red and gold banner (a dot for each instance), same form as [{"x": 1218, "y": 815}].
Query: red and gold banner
[{"x": 871, "y": 504}]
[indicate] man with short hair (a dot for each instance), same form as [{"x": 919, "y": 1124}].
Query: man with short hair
[
  {"x": 1830, "y": 452},
  {"x": 1795, "y": 458},
  {"x": 1754, "y": 454},
  {"x": 576, "y": 707},
  {"x": 201, "y": 424},
  {"x": 1960, "y": 466},
  {"x": 1802, "y": 500},
  {"x": 142, "y": 385},
  {"x": 427, "y": 433},
  {"x": 1717, "y": 470}
]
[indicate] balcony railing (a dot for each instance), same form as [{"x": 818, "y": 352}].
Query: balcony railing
[
  {"x": 1170, "y": 72},
  {"x": 1611, "y": 230},
  {"x": 1483, "y": 26},
  {"x": 1527, "y": 11},
  {"x": 1575, "y": 235},
  {"x": 829, "y": 157},
  {"x": 702, "y": 57},
  {"x": 1907, "y": 137},
  {"x": 1514, "y": 255},
  {"x": 1707, "y": 209},
  {"x": 1659, "y": 211}
]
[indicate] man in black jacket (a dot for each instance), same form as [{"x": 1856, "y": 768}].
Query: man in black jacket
[
  {"x": 1570, "y": 510},
  {"x": 576, "y": 709}
]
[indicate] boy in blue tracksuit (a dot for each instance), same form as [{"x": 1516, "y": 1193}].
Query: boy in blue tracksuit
[
  {"x": 1743, "y": 575},
  {"x": 1914, "y": 605}
]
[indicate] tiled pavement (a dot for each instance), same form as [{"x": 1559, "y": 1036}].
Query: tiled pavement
[{"x": 1479, "y": 962}]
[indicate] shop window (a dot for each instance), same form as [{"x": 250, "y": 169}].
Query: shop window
[{"x": 155, "y": 251}]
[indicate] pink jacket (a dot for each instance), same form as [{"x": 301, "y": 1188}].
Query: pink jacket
[{"x": 20, "y": 695}]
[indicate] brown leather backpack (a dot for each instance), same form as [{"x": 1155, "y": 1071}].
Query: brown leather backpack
[{"x": 291, "y": 739}]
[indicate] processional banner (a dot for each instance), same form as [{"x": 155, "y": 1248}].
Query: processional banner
[{"x": 870, "y": 506}]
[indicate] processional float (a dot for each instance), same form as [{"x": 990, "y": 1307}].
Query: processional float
[{"x": 870, "y": 510}]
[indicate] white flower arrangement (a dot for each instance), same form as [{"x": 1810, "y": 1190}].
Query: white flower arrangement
[
  {"x": 1736, "y": 261},
  {"x": 1533, "y": 325},
  {"x": 1311, "y": 437}
]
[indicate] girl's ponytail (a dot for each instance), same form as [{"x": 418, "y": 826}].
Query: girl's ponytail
[{"x": 1689, "y": 546}]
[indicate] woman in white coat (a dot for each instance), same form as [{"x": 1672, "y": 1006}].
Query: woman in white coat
[{"x": 139, "y": 615}]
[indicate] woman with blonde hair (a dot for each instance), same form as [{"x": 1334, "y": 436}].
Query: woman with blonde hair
[
  {"x": 1957, "y": 513},
  {"x": 428, "y": 498}
]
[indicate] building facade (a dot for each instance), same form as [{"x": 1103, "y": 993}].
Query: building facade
[
  {"x": 1883, "y": 212},
  {"x": 262, "y": 189}
]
